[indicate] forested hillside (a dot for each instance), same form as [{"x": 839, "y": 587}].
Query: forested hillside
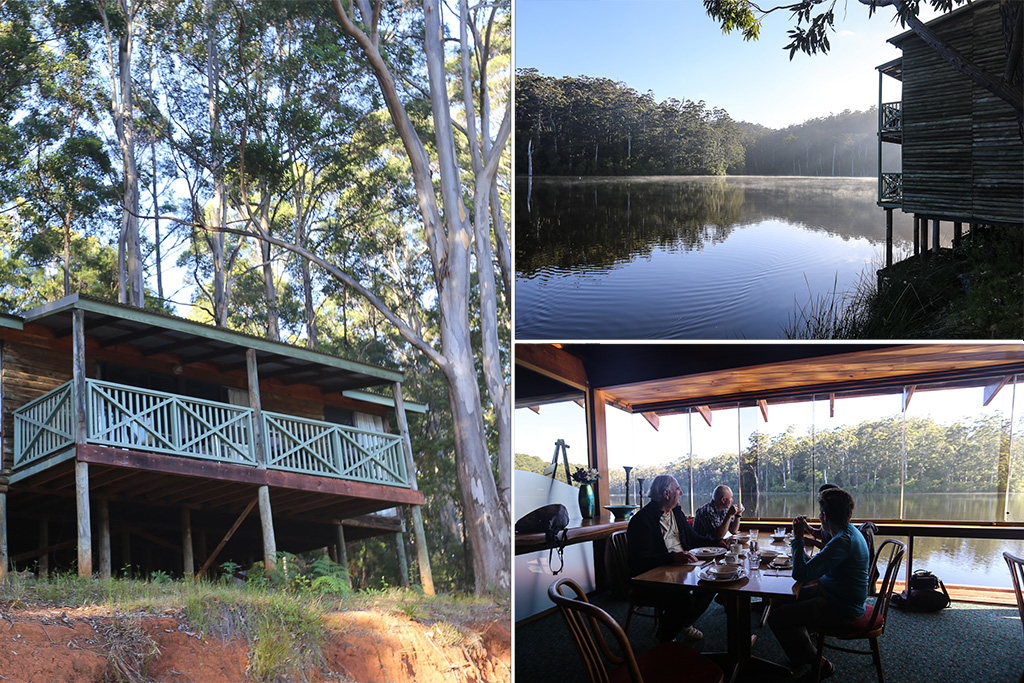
[{"x": 595, "y": 126}]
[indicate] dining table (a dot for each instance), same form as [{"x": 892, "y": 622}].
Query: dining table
[{"x": 763, "y": 582}]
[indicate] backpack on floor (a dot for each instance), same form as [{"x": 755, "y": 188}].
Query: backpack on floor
[{"x": 925, "y": 593}]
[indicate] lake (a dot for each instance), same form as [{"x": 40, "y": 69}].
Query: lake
[
  {"x": 957, "y": 561},
  {"x": 690, "y": 257}
]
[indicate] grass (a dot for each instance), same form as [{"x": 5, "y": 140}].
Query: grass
[
  {"x": 282, "y": 624},
  {"x": 974, "y": 291}
]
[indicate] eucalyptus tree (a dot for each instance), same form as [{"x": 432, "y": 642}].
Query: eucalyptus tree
[
  {"x": 120, "y": 20},
  {"x": 452, "y": 239}
]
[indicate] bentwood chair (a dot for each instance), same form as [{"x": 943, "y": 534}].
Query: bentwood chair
[
  {"x": 871, "y": 626},
  {"x": 662, "y": 663},
  {"x": 1016, "y": 565},
  {"x": 620, "y": 576}
]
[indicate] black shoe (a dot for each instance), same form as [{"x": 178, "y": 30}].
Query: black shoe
[{"x": 827, "y": 670}]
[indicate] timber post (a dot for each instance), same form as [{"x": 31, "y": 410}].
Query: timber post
[
  {"x": 342, "y": 550},
  {"x": 958, "y": 233},
  {"x": 403, "y": 563},
  {"x": 43, "y": 563},
  {"x": 3, "y": 527},
  {"x": 917, "y": 242},
  {"x": 935, "y": 235},
  {"x": 266, "y": 513},
  {"x": 888, "y": 237},
  {"x": 103, "y": 542},
  {"x": 81, "y": 468},
  {"x": 188, "y": 564},
  {"x": 422, "y": 556}
]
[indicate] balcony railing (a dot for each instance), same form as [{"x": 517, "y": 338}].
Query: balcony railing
[
  {"x": 891, "y": 116},
  {"x": 121, "y": 416},
  {"x": 890, "y": 188}
]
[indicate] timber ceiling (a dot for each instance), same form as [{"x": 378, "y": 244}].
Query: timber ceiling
[
  {"x": 154, "y": 334},
  {"x": 668, "y": 378}
]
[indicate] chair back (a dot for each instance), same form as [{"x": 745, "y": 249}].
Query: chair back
[
  {"x": 584, "y": 621},
  {"x": 1016, "y": 565},
  {"x": 618, "y": 564},
  {"x": 892, "y": 552}
]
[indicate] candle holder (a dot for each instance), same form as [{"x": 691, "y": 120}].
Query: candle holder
[
  {"x": 627, "y": 468},
  {"x": 640, "y": 489}
]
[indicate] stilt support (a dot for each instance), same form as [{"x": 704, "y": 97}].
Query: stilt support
[
  {"x": 267, "y": 525},
  {"x": 188, "y": 563},
  {"x": 888, "y": 237},
  {"x": 103, "y": 529}
]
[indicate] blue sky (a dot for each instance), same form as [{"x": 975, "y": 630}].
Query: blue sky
[{"x": 672, "y": 48}]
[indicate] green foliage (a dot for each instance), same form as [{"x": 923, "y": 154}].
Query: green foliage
[{"x": 594, "y": 126}]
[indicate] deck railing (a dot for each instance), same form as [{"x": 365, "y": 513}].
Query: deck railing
[
  {"x": 890, "y": 188},
  {"x": 44, "y": 426},
  {"x": 891, "y": 118},
  {"x": 314, "y": 447},
  {"x": 121, "y": 416}
]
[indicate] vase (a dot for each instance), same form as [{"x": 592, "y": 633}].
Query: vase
[{"x": 587, "y": 502}]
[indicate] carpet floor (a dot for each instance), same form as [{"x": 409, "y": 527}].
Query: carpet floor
[{"x": 964, "y": 643}]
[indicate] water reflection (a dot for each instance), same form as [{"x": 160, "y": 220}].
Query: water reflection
[
  {"x": 704, "y": 257},
  {"x": 599, "y": 222}
]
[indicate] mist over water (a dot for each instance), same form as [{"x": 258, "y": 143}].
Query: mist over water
[{"x": 689, "y": 257}]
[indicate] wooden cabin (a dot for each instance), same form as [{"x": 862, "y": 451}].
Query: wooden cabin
[
  {"x": 962, "y": 155},
  {"x": 137, "y": 439}
]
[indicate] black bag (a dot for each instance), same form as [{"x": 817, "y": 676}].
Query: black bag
[
  {"x": 550, "y": 520},
  {"x": 925, "y": 593}
]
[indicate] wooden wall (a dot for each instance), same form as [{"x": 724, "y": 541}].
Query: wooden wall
[
  {"x": 962, "y": 154},
  {"x": 29, "y": 371}
]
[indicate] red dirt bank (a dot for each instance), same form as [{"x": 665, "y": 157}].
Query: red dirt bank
[{"x": 54, "y": 646}]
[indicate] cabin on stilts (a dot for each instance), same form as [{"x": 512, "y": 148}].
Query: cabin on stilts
[
  {"x": 135, "y": 441},
  {"x": 962, "y": 154}
]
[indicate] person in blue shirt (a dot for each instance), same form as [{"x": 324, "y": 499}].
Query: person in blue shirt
[{"x": 841, "y": 573}]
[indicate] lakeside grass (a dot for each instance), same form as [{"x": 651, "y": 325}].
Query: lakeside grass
[
  {"x": 283, "y": 625},
  {"x": 972, "y": 291}
]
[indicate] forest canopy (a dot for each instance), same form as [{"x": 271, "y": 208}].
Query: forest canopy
[{"x": 596, "y": 126}]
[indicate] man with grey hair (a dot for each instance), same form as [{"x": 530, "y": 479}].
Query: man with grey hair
[
  {"x": 719, "y": 515},
  {"x": 658, "y": 534}
]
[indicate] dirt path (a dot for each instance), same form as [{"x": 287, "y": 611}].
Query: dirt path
[{"x": 68, "y": 646}]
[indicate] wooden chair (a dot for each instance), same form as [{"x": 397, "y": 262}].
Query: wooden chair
[
  {"x": 870, "y": 626},
  {"x": 621, "y": 575},
  {"x": 664, "y": 662},
  {"x": 1016, "y": 565}
]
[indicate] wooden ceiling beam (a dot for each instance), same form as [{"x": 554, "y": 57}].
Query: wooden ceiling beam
[{"x": 554, "y": 362}]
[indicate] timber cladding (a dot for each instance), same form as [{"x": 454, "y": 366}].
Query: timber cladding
[
  {"x": 29, "y": 371},
  {"x": 962, "y": 153}
]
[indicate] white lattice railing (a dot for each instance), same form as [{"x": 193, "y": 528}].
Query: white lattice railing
[
  {"x": 44, "y": 426},
  {"x": 121, "y": 416},
  {"x": 322, "y": 448}
]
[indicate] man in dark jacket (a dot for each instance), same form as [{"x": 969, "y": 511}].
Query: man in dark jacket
[{"x": 658, "y": 534}]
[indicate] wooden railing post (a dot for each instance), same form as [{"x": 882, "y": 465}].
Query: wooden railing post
[
  {"x": 888, "y": 238},
  {"x": 81, "y": 435},
  {"x": 422, "y": 556},
  {"x": 266, "y": 513}
]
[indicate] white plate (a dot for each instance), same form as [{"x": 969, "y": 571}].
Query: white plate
[
  {"x": 708, "y": 552},
  {"x": 786, "y": 564},
  {"x": 742, "y": 538},
  {"x": 705, "y": 575}
]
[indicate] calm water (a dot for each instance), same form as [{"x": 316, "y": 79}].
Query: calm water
[
  {"x": 689, "y": 257},
  {"x": 975, "y": 562}
]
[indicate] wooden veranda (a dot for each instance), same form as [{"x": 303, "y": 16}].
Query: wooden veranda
[{"x": 130, "y": 434}]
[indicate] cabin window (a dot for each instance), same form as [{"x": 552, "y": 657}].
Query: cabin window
[{"x": 339, "y": 416}]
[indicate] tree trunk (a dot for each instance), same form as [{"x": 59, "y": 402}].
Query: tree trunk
[{"x": 221, "y": 286}]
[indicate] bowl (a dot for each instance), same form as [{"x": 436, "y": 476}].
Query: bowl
[
  {"x": 768, "y": 554},
  {"x": 724, "y": 571},
  {"x": 621, "y": 512}
]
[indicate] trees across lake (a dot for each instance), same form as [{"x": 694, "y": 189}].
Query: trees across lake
[{"x": 595, "y": 126}]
